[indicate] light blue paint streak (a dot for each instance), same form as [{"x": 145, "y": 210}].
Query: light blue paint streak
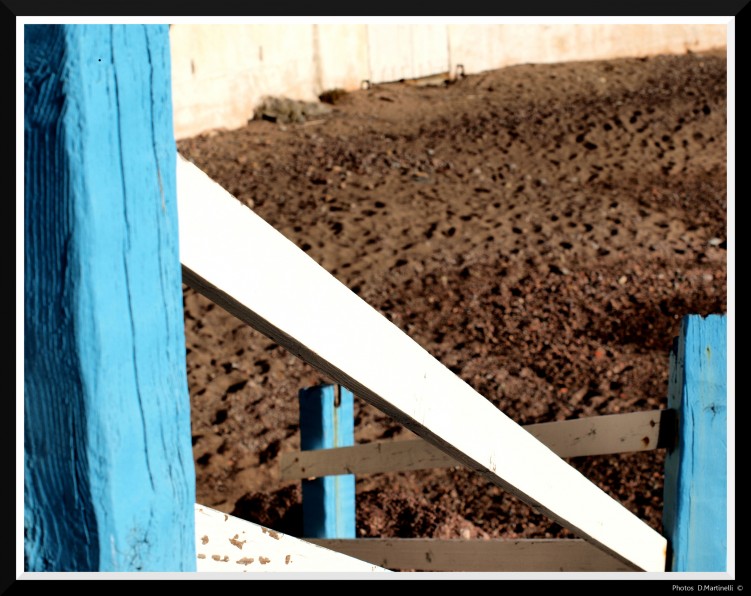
[
  {"x": 110, "y": 482},
  {"x": 695, "y": 503},
  {"x": 329, "y": 502}
]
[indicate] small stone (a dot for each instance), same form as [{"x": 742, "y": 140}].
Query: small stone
[{"x": 622, "y": 280}]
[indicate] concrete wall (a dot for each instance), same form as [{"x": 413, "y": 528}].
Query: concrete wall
[{"x": 221, "y": 72}]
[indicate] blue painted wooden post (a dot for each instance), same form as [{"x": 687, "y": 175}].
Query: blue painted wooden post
[
  {"x": 695, "y": 498},
  {"x": 109, "y": 480},
  {"x": 327, "y": 421}
]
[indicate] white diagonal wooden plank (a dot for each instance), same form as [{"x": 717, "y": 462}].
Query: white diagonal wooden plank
[
  {"x": 246, "y": 266},
  {"x": 226, "y": 543},
  {"x": 430, "y": 554},
  {"x": 597, "y": 435}
]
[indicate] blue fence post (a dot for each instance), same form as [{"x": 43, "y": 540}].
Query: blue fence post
[
  {"x": 327, "y": 421},
  {"x": 109, "y": 482},
  {"x": 695, "y": 497}
]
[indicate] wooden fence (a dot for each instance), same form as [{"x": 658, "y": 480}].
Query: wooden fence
[
  {"x": 109, "y": 482},
  {"x": 601, "y": 435},
  {"x": 692, "y": 430}
]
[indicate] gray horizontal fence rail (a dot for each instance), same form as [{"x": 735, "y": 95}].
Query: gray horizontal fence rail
[
  {"x": 428, "y": 554},
  {"x": 596, "y": 435}
]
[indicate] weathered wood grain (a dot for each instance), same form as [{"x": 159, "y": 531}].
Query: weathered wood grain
[
  {"x": 428, "y": 554},
  {"x": 108, "y": 468},
  {"x": 598, "y": 435},
  {"x": 695, "y": 513}
]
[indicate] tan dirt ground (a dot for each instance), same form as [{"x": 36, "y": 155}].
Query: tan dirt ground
[{"x": 539, "y": 229}]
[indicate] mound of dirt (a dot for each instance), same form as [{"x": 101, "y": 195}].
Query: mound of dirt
[{"x": 540, "y": 229}]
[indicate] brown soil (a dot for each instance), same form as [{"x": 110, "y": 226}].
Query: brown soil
[{"x": 540, "y": 229}]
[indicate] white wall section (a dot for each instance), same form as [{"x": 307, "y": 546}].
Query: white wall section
[{"x": 221, "y": 72}]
